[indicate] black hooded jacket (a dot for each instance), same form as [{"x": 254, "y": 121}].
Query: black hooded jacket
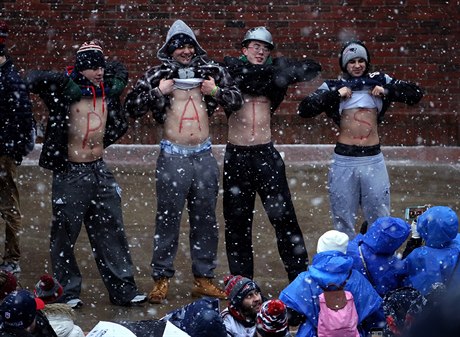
[{"x": 17, "y": 125}]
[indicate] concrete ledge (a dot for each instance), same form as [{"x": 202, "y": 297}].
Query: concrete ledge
[{"x": 293, "y": 154}]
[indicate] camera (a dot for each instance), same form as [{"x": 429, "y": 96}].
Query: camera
[{"x": 413, "y": 212}]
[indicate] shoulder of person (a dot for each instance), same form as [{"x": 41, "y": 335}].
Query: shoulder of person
[{"x": 58, "y": 309}]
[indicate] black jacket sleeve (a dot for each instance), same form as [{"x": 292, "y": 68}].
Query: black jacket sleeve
[
  {"x": 17, "y": 125},
  {"x": 321, "y": 100},
  {"x": 403, "y": 92},
  {"x": 288, "y": 71}
]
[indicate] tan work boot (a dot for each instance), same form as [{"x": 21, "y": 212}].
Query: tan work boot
[
  {"x": 159, "y": 291},
  {"x": 203, "y": 286}
]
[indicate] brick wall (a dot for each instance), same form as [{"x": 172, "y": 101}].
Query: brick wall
[{"x": 413, "y": 40}]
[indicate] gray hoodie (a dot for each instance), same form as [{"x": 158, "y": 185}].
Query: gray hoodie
[{"x": 178, "y": 27}]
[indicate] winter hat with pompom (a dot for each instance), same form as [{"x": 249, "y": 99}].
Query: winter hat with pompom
[
  {"x": 48, "y": 289},
  {"x": 272, "y": 319},
  {"x": 8, "y": 284}
]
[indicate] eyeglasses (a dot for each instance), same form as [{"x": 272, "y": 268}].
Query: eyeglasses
[{"x": 257, "y": 48}]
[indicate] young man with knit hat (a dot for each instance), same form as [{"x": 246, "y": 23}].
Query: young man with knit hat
[
  {"x": 252, "y": 165},
  {"x": 330, "y": 266},
  {"x": 357, "y": 103},
  {"x": 244, "y": 302},
  {"x": 17, "y": 139},
  {"x": 86, "y": 116},
  {"x": 182, "y": 93}
]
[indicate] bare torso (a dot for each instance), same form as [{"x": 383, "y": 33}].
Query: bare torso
[
  {"x": 86, "y": 130},
  {"x": 358, "y": 126},
  {"x": 251, "y": 124},
  {"x": 187, "y": 121}
]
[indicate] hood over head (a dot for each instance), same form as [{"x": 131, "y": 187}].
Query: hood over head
[
  {"x": 330, "y": 267},
  {"x": 179, "y": 29},
  {"x": 386, "y": 235},
  {"x": 438, "y": 226}
]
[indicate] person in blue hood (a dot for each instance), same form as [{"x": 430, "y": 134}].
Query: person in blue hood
[
  {"x": 182, "y": 93},
  {"x": 331, "y": 266},
  {"x": 437, "y": 260},
  {"x": 357, "y": 103},
  {"x": 374, "y": 256}
]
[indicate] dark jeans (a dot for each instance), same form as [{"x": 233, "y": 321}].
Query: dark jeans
[
  {"x": 259, "y": 169},
  {"x": 89, "y": 194}
]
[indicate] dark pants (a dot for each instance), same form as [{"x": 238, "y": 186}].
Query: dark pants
[
  {"x": 9, "y": 209},
  {"x": 259, "y": 169},
  {"x": 89, "y": 194}
]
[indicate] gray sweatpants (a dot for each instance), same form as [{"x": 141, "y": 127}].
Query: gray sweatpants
[
  {"x": 355, "y": 182},
  {"x": 193, "y": 178},
  {"x": 89, "y": 194}
]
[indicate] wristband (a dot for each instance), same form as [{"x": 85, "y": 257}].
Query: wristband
[{"x": 214, "y": 91}]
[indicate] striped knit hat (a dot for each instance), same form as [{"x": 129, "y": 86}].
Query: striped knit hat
[
  {"x": 237, "y": 287},
  {"x": 90, "y": 56},
  {"x": 48, "y": 289},
  {"x": 272, "y": 319}
]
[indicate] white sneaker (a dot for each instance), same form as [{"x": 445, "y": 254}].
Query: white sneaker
[
  {"x": 11, "y": 267},
  {"x": 139, "y": 299},
  {"x": 75, "y": 303}
]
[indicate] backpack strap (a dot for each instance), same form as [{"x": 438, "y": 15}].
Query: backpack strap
[
  {"x": 336, "y": 299},
  {"x": 369, "y": 276}
]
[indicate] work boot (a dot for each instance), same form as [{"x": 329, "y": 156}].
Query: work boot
[
  {"x": 203, "y": 286},
  {"x": 159, "y": 291}
]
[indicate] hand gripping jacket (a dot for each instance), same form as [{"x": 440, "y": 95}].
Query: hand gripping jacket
[{"x": 326, "y": 98}]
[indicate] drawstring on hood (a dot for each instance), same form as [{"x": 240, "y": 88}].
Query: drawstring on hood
[{"x": 88, "y": 89}]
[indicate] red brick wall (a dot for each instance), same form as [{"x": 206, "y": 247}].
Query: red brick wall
[{"x": 413, "y": 40}]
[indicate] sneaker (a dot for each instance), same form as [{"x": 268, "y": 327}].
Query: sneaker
[
  {"x": 203, "y": 286},
  {"x": 75, "y": 303},
  {"x": 11, "y": 267},
  {"x": 138, "y": 299},
  {"x": 159, "y": 291}
]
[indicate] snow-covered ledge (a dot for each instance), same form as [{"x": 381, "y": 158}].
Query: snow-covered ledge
[{"x": 299, "y": 154}]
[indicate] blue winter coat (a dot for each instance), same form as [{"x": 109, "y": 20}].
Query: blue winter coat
[
  {"x": 326, "y": 268},
  {"x": 434, "y": 262},
  {"x": 378, "y": 246}
]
